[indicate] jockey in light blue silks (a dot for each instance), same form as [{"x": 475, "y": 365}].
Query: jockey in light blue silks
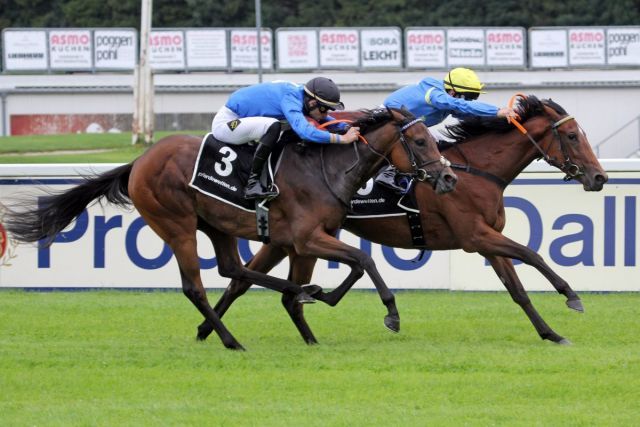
[
  {"x": 433, "y": 100},
  {"x": 253, "y": 113}
]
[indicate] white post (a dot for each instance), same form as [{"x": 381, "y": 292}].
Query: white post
[
  {"x": 143, "y": 80},
  {"x": 259, "y": 43}
]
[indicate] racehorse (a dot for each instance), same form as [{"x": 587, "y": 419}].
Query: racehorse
[
  {"x": 315, "y": 185},
  {"x": 488, "y": 154}
]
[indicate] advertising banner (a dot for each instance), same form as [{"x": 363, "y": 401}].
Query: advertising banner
[
  {"x": 548, "y": 48},
  {"x": 339, "y": 48},
  {"x": 465, "y": 46},
  {"x": 425, "y": 48},
  {"x": 297, "y": 49},
  {"x": 586, "y": 46},
  {"x": 70, "y": 49},
  {"x": 623, "y": 46},
  {"x": 381, "y": 48},
  {"x": 207, "y": 49},
  {"x": 25, "y": 50},
  {"x": 167, "y": 50},
  {"x": 505, "y": 47},
  {"x": 111, "y": 247},
  {"x": 244, "y": 50},
  {"x": 589, "y": 238},
  {"x": 115, "y": 49}
]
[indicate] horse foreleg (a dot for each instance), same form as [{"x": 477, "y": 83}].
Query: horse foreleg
[
  {"x": 322, "y": 245},
  {"x": 507, "y": 274},
  {"x": 300, "y": 271},
  {"x": 497, "y": 244}
]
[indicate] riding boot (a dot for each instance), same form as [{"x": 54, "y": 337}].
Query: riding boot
[
  {"x": 391, "y": 178},
  {"x": 254, "y": 188}
]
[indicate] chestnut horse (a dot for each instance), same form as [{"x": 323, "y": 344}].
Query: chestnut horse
[
  {"x": 315, "y": 185},
  {"x": 489, "y": 154}
]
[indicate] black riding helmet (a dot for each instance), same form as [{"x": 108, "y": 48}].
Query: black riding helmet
[{"x": 325, "y": 91}]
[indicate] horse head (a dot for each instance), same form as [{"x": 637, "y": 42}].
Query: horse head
[
  {"x": 407, "y": 143},
  {"x": 569, "y": 150}
]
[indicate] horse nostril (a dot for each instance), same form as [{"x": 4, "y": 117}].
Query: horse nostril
[{"x": 601, "y": 179}]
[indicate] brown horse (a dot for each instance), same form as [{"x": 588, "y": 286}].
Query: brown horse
[
  {"x": 315, "y": 185},
  {"x": 490, "y": 153}
]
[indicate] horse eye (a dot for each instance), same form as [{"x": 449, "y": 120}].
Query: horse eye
[
  {"x": 420, "y": 142},
  {"x": 572, "y": 136}
]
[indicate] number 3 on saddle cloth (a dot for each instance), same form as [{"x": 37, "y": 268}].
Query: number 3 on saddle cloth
[{"x": 221, "y": 171}]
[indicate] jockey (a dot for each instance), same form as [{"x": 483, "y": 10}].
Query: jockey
[
  {"x": 253, "y": 113},
  {"x": 433, "y": 100}
]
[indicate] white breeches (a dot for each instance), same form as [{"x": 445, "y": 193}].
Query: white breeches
[{"x": 228, "y": 128}]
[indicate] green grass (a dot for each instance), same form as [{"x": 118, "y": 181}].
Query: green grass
[
  {"x": 130, "y": 358},
  {"x": 115, "y": 148}
]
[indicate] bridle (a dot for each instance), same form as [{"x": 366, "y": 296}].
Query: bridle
[
  {"x": 419, "y": 171},
  {"x": 570, "y": 169}
]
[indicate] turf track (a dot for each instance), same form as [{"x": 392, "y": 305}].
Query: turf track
[{"x": 130, "y": 358}]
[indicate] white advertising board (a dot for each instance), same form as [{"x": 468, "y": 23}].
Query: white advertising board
[
  {"x": 589, "y": 239},
  {"x": 465, "y": 46},
  {"x": 297, "y": 49},
  {"x": 381, "y": 47},
  {"x": 425, "y": 48},
  {"x": 244, "y": 49},
  {"x": 115, "y": 49},
  {"x": 587, "y": 46},
  {"x": 25, "y": 50},
  {"x": 339, "y": 48},
  {"x": 623, "y": 46},
  {"x": 548, "y": 48},
  {"x": 70, "y": 49},
  {"x": 167, "y": 50},
  {"x": 505, "y": 47},
  {"x": 206, "y": 49}
]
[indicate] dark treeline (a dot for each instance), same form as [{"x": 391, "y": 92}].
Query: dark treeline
[{"x": 319, "y": 13}]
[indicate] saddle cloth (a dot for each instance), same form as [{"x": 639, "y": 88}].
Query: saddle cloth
[
  {"x": 221, "y": 171},
  {"x": 374, "y": 200}
]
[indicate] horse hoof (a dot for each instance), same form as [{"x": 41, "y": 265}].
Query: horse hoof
[
  {"x": 304, "y": 298},
  {"x": 204, "y": 330},
  {"x": 311, "y": 289},
  {"x": 563, "y": 341},
  {"x": 235, "y": 346},
  {"x": 575, "y": 304},
  {"x": 392, "y": 323}
]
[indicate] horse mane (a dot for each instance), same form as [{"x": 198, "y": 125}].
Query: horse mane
[
  {"x": 373, "y": 119},
  {"x": 476, "y": 125}
]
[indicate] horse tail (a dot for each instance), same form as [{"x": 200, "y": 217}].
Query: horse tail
[{"x": 56, "y": 211}]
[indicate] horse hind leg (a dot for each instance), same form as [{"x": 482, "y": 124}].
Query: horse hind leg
[
  {"x": 192, "y": 287},
  {"x": 180, "y": 235},
  {"x": 507, "y": 274}
]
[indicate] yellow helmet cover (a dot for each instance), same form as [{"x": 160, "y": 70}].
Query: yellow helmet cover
[{"x": 463, "y": 80}]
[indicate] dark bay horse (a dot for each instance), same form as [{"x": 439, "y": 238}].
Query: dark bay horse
[
  {"x": 489, "y": 153},
  {"x": 315, "y": 186}
]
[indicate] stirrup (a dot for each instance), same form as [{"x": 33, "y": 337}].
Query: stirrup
[
  {"x": 389, "y": 180},
  {"x": 256, "y": 191}
]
